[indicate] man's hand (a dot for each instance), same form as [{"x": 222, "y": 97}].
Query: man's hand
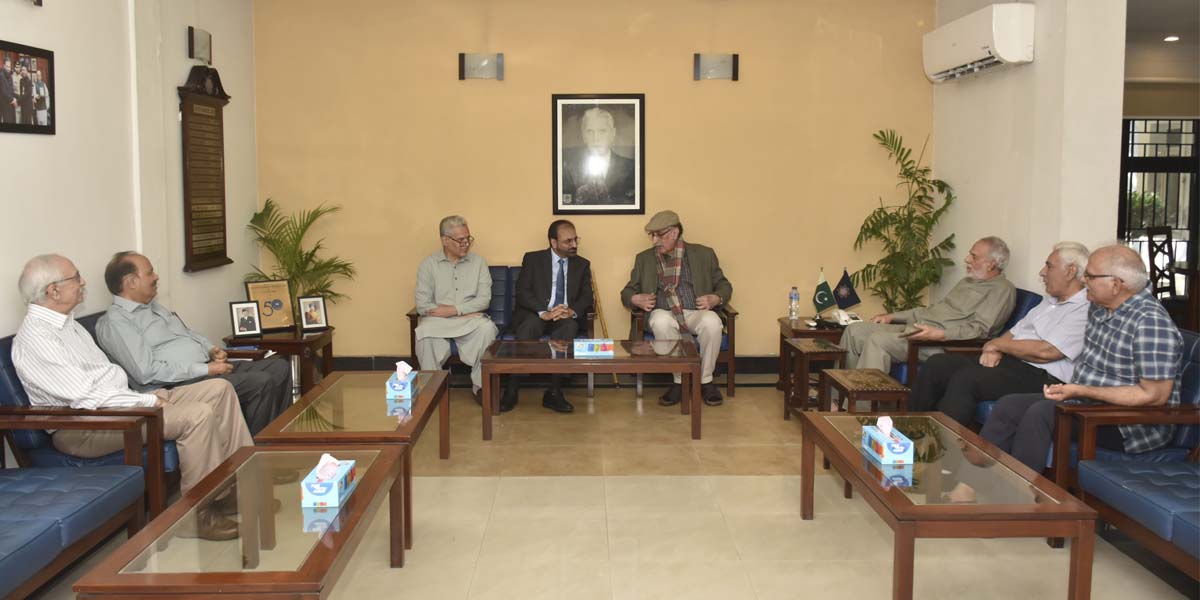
[
  {"x": 557, "y": 313},
  {"x": 219, "y": 368},
  {"x": 990, "y": 358},
  {"x": 928, "y": 333},
  {"x": 708, "y": 302},
  {"x": 217, "y": 354},
  {"x": 643, "y": 301},
  {"x": 442, "y": 310},
  {"x": 1060, "y": 391},
  {"x": 883, "y": 319}
]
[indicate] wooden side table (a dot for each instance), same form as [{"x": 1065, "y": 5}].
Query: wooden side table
[
  {"x": 870, "y": 385},
  {"x": 791, "y": 329},
  {"x": 304, "y": 346},
  {"x": 805, "y": 351}
]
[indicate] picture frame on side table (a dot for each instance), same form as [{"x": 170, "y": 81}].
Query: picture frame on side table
[
  {"x": 275, "y": 303},
  {"x": 312, "y": 313},
  {"x": 245, "y": 317},
  {"x": 27, "y": 101},
  {"x": 598, "y": 151}
]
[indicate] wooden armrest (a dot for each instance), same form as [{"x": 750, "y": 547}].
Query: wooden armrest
[
  {"x": 730, "y": 311},
  {"x": 412, "y": 314},
  {"x": 131, "y": 411},
  {"x": 131, "y": 426},
  {"x": 1125, "y": 415},
  {"x": 972, "y": 343},
  {"x": 246, "y": 354}
]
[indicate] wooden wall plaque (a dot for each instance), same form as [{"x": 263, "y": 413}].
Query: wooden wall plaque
[{"x": 201, "y": 102}]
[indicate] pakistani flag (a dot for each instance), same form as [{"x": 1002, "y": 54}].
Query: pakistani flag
[
  {"x": 823, "y": 295},
  {"x": 844, "y": 294}
]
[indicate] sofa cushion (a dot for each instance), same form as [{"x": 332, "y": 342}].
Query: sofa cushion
[
  {"x": 1149, "y": 493},
  {"x": 49, "y": 457},
  {"x": 78, "y": 499},
  {"x": 1187, "y": 531},
  {"x": 26, "y": 545}
]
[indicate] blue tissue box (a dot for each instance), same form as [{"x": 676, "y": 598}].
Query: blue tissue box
[
  {"x": 890, "y": 476},
  {"x": 898, "y": 450},
  {"x": 399, "y": 408},
  {"x": 332, "y": 492},
  {"x": 398, "y": 389},
  {"x": 594, "y": 349},
  {"x": 321, "y": 519}
]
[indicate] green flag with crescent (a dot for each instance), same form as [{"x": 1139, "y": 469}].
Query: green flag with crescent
[{"x": 823, "y": 295}]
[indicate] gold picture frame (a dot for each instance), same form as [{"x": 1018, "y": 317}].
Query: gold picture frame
[{"x": 275, "y": 304}]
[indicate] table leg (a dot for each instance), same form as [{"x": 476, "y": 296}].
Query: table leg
[
  {"x": 327, "y": 358},
  {"x": 685, "y": 380},
  {"x": 784, "y": 360},
  {"x": 696, "y": 405},
  {"x": 486, "y": 392},
  {"x": 266, "y": 516},
  {"x": 408, "y": 518},
  {"x": 444, "y": 423},
  {"x": 904, "y": 545},
  {"x": 806, "y": 474},
  {"x": 247, "y": 500},
  {"x": 495, "y": 389},
  {"x": 790, "y": 386},
  {"x": 396, "y": 530},
  {"x": 1079, "y": 587}
]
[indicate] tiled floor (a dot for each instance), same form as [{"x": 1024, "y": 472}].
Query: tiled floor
[{"x": 616, "y": 501}]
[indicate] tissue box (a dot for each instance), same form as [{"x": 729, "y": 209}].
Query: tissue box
[
  {"x": 320, "y": 519},
  {"x": 890, "y": 476},
  {"x": 332, "y": 492},
  {"x": 898, "y": 450},
  {"x": 399, "y": 408},
  {"x": 593, "y": 348},
  {"x": 398, "y": 389}
]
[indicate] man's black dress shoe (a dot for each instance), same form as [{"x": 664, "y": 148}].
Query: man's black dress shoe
[
  {"x": 672, "y": 397},
  {"x": 509, "y": 400},
  {"x": 554, "y": 400},
  {"x": 711, "y": 394},
  {"x": 478, "y": 396}
]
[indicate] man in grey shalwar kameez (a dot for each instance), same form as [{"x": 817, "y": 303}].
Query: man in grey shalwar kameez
[{"x": 454, "y": 289}]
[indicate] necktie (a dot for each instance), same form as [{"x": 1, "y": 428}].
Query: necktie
[{"x": 560, "y": 285}]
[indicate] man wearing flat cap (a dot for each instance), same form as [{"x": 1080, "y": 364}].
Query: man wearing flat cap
[{"x": 679, "y": 286}]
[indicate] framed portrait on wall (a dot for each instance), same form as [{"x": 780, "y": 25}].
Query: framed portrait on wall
[
  {"x": 275, "y": 303},
  {"x": 598, "y": 147},
  {"x": 27, "y": 101},
  {"x": 312, "y": 313},
  {"x": 246, "y": 322}
]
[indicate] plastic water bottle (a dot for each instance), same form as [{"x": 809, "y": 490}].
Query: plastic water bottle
[{"x": 794, "y": 304}]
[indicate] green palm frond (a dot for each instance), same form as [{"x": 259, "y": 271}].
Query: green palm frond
[
  {"x": 909, "y": 264},
  {"x": 283, "y": 236}
]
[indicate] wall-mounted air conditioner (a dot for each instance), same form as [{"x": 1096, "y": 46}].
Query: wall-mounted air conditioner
[{"x": 999, "y": 34}]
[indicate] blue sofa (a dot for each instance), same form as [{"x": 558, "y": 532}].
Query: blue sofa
[{"x": 32, "y": 447}]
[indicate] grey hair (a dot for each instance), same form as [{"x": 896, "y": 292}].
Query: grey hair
[
  {"x": 1125, "y": 264},
  {"x": 38, "y": 274},
  {"x": 1073, "y": 253},
  {"x": 449, "y": 223},
  {"x": 997, "y": 252},
  {"x": 597, "y": 112}
]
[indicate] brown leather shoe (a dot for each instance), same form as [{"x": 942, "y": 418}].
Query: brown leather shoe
[
  {"x": 228, "y": 506},
  {"x": 672, "y": 397},
  {"x": 478, "y": 395},
  {"x": 285, "y": 476},
  {"x": 214, "y": 527}
]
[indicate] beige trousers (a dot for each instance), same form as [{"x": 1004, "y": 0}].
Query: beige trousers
[
  {"x": 876, "y": 346},
  {"x": 203, "y": 418},
  {"x": 705, "y": 324},
  {"x": 432, "y": 352}
]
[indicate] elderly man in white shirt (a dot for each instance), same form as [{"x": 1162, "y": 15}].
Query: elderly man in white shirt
[
  {"x": 1037, "y": 351},
  {"x": 60, "y": 365}
]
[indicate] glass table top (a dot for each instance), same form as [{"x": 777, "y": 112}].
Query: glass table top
[
  {"x": 358, "y": 402},
  {"x": 622, "y": 349},
  {"x": 947, "y": 469},
  {"x": 297, "y": 530}
]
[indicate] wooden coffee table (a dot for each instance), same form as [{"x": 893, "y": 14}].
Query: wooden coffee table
[
  {"x": 273, "y": 557},
  {"x": 649, "y": 356},
  {"x": 1010, "y": 500},
  {"x": 303, "y": 345},
  {"x": 804, "y": 352},
  {"x": 798, "y": 328},
  {"x": 349, "y": 407}
]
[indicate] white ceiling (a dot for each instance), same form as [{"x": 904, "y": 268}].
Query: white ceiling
[{"x": 1147, "y": 57}]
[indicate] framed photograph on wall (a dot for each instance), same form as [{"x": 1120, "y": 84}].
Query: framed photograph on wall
[
  {"x": 598, "y": 147},
  {"x": 246, "y": 322},
  {"x": 275, "y": 303},
  {"x": 312, "y": 313},
  {"x": 27, "y": 101}
]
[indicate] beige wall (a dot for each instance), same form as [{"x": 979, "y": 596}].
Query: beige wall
[
  {"x": 1162, "y": 99},
  {"x": 358, "y": 104}
]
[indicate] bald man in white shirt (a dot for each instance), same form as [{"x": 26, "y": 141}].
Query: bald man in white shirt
[{"x": 60, "y": 365}]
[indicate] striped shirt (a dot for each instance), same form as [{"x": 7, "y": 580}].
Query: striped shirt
[
  {"x": 1134, "y": 342},
  {"x": 60, "y": 365}
]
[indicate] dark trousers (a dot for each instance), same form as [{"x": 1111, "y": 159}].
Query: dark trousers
[
  {"x": 534, "y": 329},
  {"x": 1023, "y": 426},
  {"x": 954, "y": 383},
  {"x": 264, "y": 389}
]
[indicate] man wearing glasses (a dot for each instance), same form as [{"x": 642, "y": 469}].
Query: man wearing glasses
[
  {"x": 679, "y": 286},
  {"x": 1131, "y": 357},
  {"x": 554, "y": 296},
  {"x": 454, "y": 290}
]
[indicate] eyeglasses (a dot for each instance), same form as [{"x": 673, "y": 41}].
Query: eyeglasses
[
  {"x": 1089, "y": 276},
  {"x": 75, "y": 278},
  {"x": 661, "y": 233},
  {"x": 467, "y": 241}
]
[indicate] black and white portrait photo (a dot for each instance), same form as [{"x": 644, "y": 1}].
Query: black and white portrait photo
[
  {"x": 246, "y": 322},
  {"x": 599, "y": 153}
]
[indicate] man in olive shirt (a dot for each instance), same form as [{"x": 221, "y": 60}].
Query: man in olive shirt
[
  {"x": 158, "y": 351},
  {"x": 977, "y": 306},
  {"x": 454, "y": 289},
  {"x": 680, "y": 285}
]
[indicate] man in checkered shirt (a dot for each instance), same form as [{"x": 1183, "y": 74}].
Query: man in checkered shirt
[{"x": 1131, "y": 357}]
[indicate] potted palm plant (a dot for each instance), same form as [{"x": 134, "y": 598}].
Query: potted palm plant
[
  {"x": 911, "y": 263},
  {"x": 307, "y": 273}
]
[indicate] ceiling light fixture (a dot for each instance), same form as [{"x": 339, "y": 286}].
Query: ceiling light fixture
[{"x": 1171, "y": 38}]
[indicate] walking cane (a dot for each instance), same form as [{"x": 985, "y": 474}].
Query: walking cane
[{"x": 600, "y": 317}]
